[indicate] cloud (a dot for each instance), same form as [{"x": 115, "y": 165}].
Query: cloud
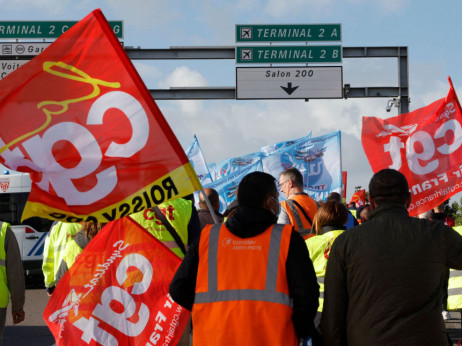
[
  {"x": 49, "y": 7},
  {"x": 279, "y": 8},
  {"x": 183, "y": 76},
  {"x": 147, "y": 71},
  {"x": 393, "y": 6},
  {"x": 145, "y": 14}
]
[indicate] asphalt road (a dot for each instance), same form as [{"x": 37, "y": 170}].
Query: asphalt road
[{"x": 33, "y": 331}]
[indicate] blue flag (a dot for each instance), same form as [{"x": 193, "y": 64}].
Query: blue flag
[
  {"x": 280, "y": 146},
  {"x": 318, "y": 159},
  {"x": 195, "y": 156},
  {"x": 236, "y": 164},
  {"x": 227, "y": 186}
]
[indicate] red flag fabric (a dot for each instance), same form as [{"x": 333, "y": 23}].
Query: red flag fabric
[
  {"x": 117, "y": 292},
  {"x": 79, "y": 118},
  {"x": 359, "y": 197},
  {"x": 424, "y": 145},
  {"x": 344, "y": 184}
]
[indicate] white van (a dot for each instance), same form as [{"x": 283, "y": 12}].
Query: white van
[{"x": 31, "y": 234}]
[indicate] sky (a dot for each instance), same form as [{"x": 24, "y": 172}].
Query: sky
[{"x": 228, "y": 128}]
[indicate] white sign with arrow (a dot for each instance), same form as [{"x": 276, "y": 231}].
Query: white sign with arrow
[{"x": 320, "y": 82}]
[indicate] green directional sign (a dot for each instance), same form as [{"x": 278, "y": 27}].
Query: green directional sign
[
  {"x": 288, "y": 54},
  {"x": 288, "y": 33},
  {"x": 45, "y": 29}
]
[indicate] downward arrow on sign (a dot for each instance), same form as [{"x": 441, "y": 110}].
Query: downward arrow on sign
[{"x": 289, "y": 90}]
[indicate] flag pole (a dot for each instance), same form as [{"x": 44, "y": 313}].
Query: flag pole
[{"x": 209, "y": 205}]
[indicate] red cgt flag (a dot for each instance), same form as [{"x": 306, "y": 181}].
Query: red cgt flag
[
  {"x": 80, "y": 120},
  {"x": 116, "y": 292},
  {"x": 359, "y": 198},
  {"x": 424, "y": 145}
]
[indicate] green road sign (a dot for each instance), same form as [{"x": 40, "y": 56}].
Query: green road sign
[
  {"x": 288, "y": 54},
  {"x": 45, "y": 29},
  {"x": 288, "y": 33}
]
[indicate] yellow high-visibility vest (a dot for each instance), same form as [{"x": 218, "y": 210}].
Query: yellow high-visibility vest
[
  {"x": 4, "y": 291},
  {"x": 455, "y": 284},
  {"x": 53, "y": 252},
  {"x": 177, "y": 212},
  {"x": 319, "y": 248}
]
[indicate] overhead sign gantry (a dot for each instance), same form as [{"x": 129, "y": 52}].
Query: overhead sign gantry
[{"x": 282, "y": 82}]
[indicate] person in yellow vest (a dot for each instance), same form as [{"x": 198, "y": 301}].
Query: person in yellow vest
[
  {"x": 181, "y": 215},
  {"x": 329, "y": 224},
  {"x": 455, "y": 284},
  {"x": 11, "y": 277},
  {"x": 75, "y": 247},
  {"x": 299, "y": 208},
  {"x": 55, "y": 243},
  {"x": 249, "y": 281}
]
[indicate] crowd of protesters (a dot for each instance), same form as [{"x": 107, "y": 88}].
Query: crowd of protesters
[{"x": 316, "y": 272}]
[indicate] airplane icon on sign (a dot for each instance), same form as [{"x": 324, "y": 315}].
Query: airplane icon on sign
[
  {"x": 246, "y": 54},
  {"x": 246, "y": 33}
]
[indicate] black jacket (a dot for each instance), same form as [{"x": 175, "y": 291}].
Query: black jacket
[
  {"x": 303, "y": 287},
  {"x": 382, "y": 285}
]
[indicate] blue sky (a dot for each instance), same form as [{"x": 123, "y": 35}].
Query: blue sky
[{"x": 227, "y": 128}]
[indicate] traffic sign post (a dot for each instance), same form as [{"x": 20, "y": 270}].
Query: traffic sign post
[
  {"x": 45, "y": 29},
  {"x": 288, "y": 33},
  {"x": 288, "y": 54},
  {"x": 300, "y": 82}
]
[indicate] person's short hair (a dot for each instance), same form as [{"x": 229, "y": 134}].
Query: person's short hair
[
  {"x": 254, "y": 188},
  {"x": 294, "y": 175},
  {"x": 389, "y": 185},
  {"x": 331, "y": 213},
  {"x": 232, "y": 207},
  {"x": 213, "y": 197},
  {"x": 334, "y": 196}
]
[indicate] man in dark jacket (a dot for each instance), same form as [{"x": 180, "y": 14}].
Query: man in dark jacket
[
  {"x": 383, "y": 279},
  {"x": 256, "y": 213}
]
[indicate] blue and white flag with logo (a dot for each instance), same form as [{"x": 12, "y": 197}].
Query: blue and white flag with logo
[
  {"x": 195, "y": 156},
  {"x": 280, "y": 146},
  {"x": 318, "y": 159},
  {"x": 227, "y": 186},
  {"x": 236, "y": 164}
]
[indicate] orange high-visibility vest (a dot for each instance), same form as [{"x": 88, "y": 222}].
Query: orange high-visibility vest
[
  {"x": 309, "y": 205},
  {"x": 242, "y": 294}
]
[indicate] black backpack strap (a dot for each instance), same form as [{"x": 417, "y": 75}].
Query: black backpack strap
[
  {"x": 170, "y": 228},
  {"x": 292, "y": 203}
]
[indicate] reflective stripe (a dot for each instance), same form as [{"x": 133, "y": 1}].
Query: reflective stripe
[
  {"x": 294, "y": 211},
  {"x": 455, "y": 291},
  {"x": 455, "y": 273},
  {"x": 320, "y": 279},
  {"x": 213, "y": 254},
  {"x": 60, "y": 247},
  {"x": 244, "y": 294},
  {"x": 171, "y": 244},
  {"x": 321, "y": 294},
  {"x": 2, "y": 262},
  {"x": 273, "y": 258},
  {"x": 269, "y": 294}
]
